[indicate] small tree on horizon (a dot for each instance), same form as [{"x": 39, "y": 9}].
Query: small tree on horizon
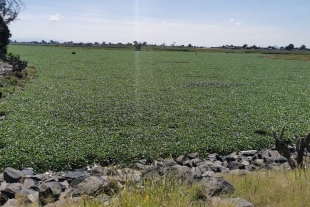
[{"x": 290, "y": 47}]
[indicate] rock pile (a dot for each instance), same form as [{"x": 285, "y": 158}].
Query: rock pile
[
  {"x": 50, "y": 189},
  {"x": 5, "y": 68}
]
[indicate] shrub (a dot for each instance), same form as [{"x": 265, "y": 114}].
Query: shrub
[{"x": 14, "y": 60}]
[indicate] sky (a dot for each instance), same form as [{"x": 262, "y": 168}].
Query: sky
[{"x": 207, "y": 23}]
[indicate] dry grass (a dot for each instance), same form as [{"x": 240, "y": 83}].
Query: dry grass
[{"x": 273, "y": 188}]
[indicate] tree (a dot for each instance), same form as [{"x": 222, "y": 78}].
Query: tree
[
  {"x": 189, "y": 45},
  {"x": 5, "y": 34},
  {"x": 9, "y": 9},
  {"x": 303, "y": 47},
  {"x": 290, "y": 47},
  {"x": 244, "y": 46}
]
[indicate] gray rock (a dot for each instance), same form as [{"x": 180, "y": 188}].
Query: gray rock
[
  {"x": 216, "y": 186},
  {"x": 253, "y": 168},
  {"x": 235, "y": 165},
  {"x": 11, "y": 175},
  {"x": 99, "y": 171},
  {"x": 245, "y": 163},
  {"x": 89, "y": 186},
  {"x": 49, "y": 192},
  {"x": 139, "y": 166},
  {"x": 5, "y": 68},
  {"x": 182, "y": 170},
  {"x": 129, "y": 175},
  {"x": 188, "y": 163},
  {"x": 1, "y": 178},
  {"x": 195, "y": 162},
  {"x": 143, "y": 162},
  {"x": 29, "y": 183},
  {"x": 11, "y": 203},
  {"x": 169, "y": 162},
  {"x": 248, "y": 153},
  {"x": 207, "y": 174},
  {"x": 193, "y": 155},
  {"x": 264, "y": 154},
  {"x": 259, "y": 162},
  {"x": 181, "y": 159},
  {"x": 272, "y": 159},
  {"x": 230, "y": 158},
  {"x": 233, "y": 202},
  {"x": 194, "y": 173},
  {"x": 72, "y": 175},
  {"x": 27, "y": 171}
]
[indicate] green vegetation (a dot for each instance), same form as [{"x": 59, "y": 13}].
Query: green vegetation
[{"x": 117, "y": 106}]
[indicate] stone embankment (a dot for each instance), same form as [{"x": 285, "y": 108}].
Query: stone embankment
[{"x": 52, "y": 189}]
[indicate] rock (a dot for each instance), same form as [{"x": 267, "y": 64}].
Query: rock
[
  {"x": 29, "y": 183},
  {"x": 248, "y": 153},
  {"x": 150, "y": 172},
  {"x": 181, "y": 159},
  {"x": 9, "y": 192},
  {"x": 78, "y": 175},
  {"x": 195, "y": 162},
  {"x": 207, "y": 174},
  {"x": 11, "y": 175},
  {"x": 11, "y": 203},
  {"x": 233, "y": 202},
  {"x": 1, "y": 178},
  {"x": 49, "y": 192},
  {"x": 99, "y": 171},
  {"x": 142, "y": 162},
  {"x": 230, "y": 159},
  {"x": 259, "y": 162},
  {"x": 253, "y": 168},
  {"x": 129, "y": 175},
  {"x": 182, "y": 170},
  {"x": 65, "y": 202},
  {"x": 139, "y": 166},
  {"x": 193, "y": 155},
  {"x": 245, "y": 163},
  {"x": 264, "y": 154},
  {"x": 89, "y": 186},
  {"x": 169, "y": 162},
  {"x": 194, "y": 173},
  {"x": 235, "y": 165},
  {"x": 5, "y": 68},
  {"x": 27, "y": 171},
  {"x": 280, "y": 160},
  {"x": 212, "y": 157},
  {"x": 188, "y": 163},
  {"x": 216, "y": 186}
]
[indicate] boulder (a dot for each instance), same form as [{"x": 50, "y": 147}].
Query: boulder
[
  {"x": 129, "y": 175},
  {"x": 216, "y": 186},
  {"x": 11, "y": 175},
  {"x": 193, "y": 155},
  {"x": 49, "y": 192},
  {"x": 89, "y": 186}
]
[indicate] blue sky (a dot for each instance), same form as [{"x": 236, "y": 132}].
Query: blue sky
[{"x": 197, "y": 22}]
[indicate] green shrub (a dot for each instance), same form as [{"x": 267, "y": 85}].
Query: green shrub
[{"x": 14, "y": 60}]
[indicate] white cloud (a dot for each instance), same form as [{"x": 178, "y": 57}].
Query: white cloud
[
  {"x": 232, "y": 20},
  {"x": 54, "y": 17},
  {"x": 238, "y": 23}
]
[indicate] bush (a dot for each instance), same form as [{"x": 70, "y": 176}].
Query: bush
[{"x": 14, "y": 60}]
